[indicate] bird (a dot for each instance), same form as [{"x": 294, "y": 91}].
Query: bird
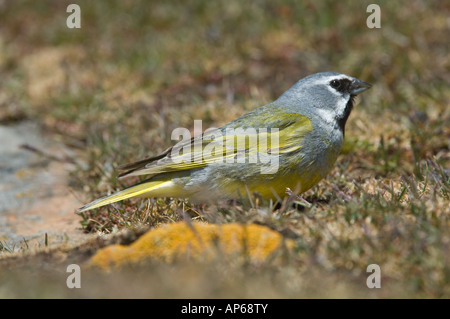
[{"x": 289, "y": 144}]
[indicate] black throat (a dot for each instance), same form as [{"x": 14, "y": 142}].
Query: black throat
[{"x": 343, "y": 119}]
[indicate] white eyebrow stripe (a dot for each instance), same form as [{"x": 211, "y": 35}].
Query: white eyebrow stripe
[{"x": 327, "y": 79}]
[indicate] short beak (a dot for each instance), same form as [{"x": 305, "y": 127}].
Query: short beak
[{"x": 358, "y": 86}]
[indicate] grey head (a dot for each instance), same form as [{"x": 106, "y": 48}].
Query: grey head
[{"x": 328, "y": 96}]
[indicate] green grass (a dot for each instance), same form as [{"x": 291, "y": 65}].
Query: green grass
[{"x": 116, "y": 88}]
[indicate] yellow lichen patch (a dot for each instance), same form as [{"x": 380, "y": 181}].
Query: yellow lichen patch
[{"x": 198, "y": 242}]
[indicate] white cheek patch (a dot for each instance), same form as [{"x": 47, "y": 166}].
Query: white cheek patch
[
  {"x": 341, "y": 105},
  {"x": 331, "y": 115}
]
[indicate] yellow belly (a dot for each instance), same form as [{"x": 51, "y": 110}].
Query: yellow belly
[{"x": 276, "y": 187}]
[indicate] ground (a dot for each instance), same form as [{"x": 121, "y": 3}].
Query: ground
[{"x": 77, "y": 103}]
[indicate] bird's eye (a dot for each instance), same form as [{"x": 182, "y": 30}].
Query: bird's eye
[{"x": 335, "y": 84}]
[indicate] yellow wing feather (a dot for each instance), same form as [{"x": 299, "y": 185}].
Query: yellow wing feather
[{"x": 219, "y": 145}]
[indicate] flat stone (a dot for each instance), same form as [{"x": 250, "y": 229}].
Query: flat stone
[{"x": 34, "y": 197}]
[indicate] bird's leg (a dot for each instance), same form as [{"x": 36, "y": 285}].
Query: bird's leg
[{"x": 299, "y": 199}]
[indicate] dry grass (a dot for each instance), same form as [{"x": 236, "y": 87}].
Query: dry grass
[{"x": 115, "y": 89}]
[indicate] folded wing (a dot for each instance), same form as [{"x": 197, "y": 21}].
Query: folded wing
[{"x": 279, "y": 134}]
